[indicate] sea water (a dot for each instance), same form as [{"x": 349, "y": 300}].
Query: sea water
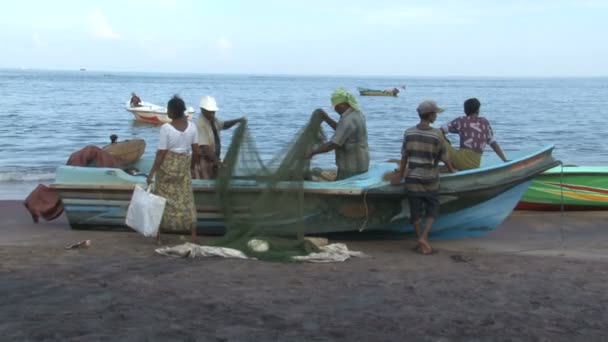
[{"x": 47, "y": 115}]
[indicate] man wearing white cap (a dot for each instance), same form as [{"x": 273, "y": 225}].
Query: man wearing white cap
[
  {"x": 423, "y": 148},
  {"x": 209, "y": 138}
]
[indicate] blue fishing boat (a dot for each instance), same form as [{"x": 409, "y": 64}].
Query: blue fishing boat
[{"x": 473, "y": 202}]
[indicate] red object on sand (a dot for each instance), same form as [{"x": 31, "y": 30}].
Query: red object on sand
[{"x": 45, "y": 202}]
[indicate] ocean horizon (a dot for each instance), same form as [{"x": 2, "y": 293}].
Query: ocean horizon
[
  {"x": 306, "y": 75},
  {"x": 49, "y": 114}
]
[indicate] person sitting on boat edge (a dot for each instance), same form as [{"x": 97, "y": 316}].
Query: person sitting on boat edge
[
  {"x": 350, "y": 137},
  {"x": 135, "y": 100},
  {"x": 423, "y": 147},
  {"x": 475, "y": 132},
  {"x": 208, "y": 126},
  {"x": 172, "y": 166}
]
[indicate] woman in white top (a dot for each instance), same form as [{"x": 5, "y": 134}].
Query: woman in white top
[{"x": 176, "y": 157}]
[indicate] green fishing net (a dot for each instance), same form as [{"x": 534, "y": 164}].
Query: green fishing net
[{"x": 265, "y": 217}]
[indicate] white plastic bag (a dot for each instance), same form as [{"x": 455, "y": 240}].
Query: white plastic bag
[{"x": 145, "y": 211}]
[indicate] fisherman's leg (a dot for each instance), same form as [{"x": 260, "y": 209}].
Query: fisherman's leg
[
  {"x": 424, "y": 237},
  {"x": 455, "y": 156},
  {"x": 432, "y": 211},
  {"x": 417, "y": 228},
  {"x": 415, "y": 215},
  {"x": 464, "y": 159}
]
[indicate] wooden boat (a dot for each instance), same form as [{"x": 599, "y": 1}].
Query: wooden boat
[
  {"x": 128, "y": 151},
  {"x": 153, "y": 114},
  {"x": 473, "y": 202},
  {"x": 574, "y": 187},
  {"x": 373, "y": 92}
]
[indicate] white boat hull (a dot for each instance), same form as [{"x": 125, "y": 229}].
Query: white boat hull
[{"x": 154, "y": 114}]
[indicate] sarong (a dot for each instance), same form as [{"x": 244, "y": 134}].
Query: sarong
[
  {"x": 174, "y": 183},
  {"x": 463, "y": 158}
]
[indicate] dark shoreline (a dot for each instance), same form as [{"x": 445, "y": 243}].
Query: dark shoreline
[{"x": 540, "y": 276}]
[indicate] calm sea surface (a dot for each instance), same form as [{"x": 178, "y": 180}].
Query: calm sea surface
[{"x": 45, "y": 116}]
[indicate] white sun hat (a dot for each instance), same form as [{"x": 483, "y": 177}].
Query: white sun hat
[{"x": 208, "y": 103}]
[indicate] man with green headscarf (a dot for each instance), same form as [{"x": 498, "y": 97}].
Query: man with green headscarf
[{"x": 350, "y": 137}]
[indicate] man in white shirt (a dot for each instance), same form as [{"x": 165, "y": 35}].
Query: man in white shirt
[{"x": 209, "y": 138}]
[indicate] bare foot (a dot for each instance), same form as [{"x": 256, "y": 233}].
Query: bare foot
[
  {"x": 426, "y": 251},
  {"x": 425, "y": 247}
]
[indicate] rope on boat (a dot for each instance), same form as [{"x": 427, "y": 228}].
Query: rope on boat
[
  {"x": 364, "y": 225},
  {"x": 561, "y": 207}
]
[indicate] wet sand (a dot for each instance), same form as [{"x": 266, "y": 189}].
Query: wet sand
[{"x": 540, "y": 276}]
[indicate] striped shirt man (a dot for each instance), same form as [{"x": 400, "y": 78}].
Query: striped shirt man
[{"x": 424, "y": 148}]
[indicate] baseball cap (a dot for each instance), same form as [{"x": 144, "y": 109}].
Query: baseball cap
[{"x": 429, "y": 106}]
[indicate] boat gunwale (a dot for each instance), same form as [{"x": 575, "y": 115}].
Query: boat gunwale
[
  {"x": 204, "y": 188},
  {"x": 584, "y": 171},
  {"x": 538, "y": 152},
  {"x": 343, "y": 189}
]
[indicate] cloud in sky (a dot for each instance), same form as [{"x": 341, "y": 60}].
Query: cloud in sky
[
  {"x": 148, "y": 38},
  {"x": 593, "y": 4},
  {"x": 400, "y": 16},
  {"x": 154, "y": 4},
  {"x": 99, "y": 25},
  {"x": 467, "y": 13},
  {"x": 166, "y": 4},
  {"x": 224, "y": 44},
  {"x": 38, "y": 41},
  {"x": 470, "y": 37}
]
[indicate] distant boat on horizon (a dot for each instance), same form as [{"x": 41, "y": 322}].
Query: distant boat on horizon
[
  {"x": 375, "y": 92},
  {"x": 83, "y": 69}
]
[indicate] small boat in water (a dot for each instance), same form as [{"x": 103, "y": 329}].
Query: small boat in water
[
  {"x": 151, "y": 113},
  {"x": 570, "y": 188},
  {"x": 373, "y": 92},
  {"x": 473, "y": 202},
  {"x": 127, "y": 151}
]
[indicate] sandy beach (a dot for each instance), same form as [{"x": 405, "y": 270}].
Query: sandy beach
[{"x": 539, "y": 277}]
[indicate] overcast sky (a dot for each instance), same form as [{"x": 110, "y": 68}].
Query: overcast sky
[{"x": 330, "y": 37}]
